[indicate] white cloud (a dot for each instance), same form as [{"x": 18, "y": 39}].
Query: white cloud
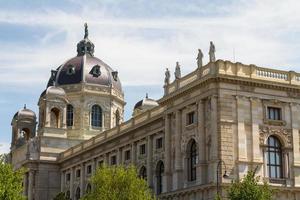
[
  {"x": 4, "y": 147},
  {"x": 259, "y": 31}
]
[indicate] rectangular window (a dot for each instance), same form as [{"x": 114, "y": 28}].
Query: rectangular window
[
  {"x": 142, "y": 149},
  {"x": 89, "y": 169},
  {"x": 68, "y": 177},
  {"x": 274, "y": 113},
  {"x": 159, "y": 143},
  {"x": 113, "y": 160},
  {"x": 190, "y": 118},
  {"x": 127, "y": 155},
  {"x": 77, "y": 173}
]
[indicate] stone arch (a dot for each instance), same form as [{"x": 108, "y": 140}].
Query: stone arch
[
  {"x": 55, "y": 115},
  {"x": 160, "y": 170},
  {"x": 191, "y": 159},
  {"x": 143, "y": 172}
]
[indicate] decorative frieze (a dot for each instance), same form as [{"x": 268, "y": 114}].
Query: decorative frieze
[{"x": 283, "y": 134}]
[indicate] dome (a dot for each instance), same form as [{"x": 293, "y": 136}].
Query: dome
[
  {"x": 85, "y": 68},
  {"x": 144, "y": 105},
  {"x": 25, "y": 114},
  {"x": 55, "y": 91}
]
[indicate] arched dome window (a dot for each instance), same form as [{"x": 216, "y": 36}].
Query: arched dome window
[
  {"x": 96, "y": 116},
  {"x": 55, "y": 118},
  {"x": 159, "y": 177},
  {"x": 77, "y": 194},
  {"x": 274, "y": 158},
  {"x": 192, "y": 160},
  {"x": 143, "y": 173},
  {"x": 70, "y": 115}
]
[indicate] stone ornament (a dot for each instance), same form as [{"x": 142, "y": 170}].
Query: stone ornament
[
  {"x": 212, "y": 50},
  {"x": 282, "y": 133},
  {"x": 177, "y": 71},
  {"x": 167, "y": 77},
  {"x": 199, "y": 58}
]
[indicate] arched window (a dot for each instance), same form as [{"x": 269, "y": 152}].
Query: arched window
[
  {"x": 77, "y": 194},
  {"x": 159, "y": 177},
  {"x": 55, "y": 118},
  {"x": 70, "y": 115},
  {"x": 88, "y": 188},
  {"x": 117, "y": 117},
  {"x": 143, "y": 173},
  {"x": 274, "y": 158},
  {"x": 96, "y": 116},
  {"x": 192, "y": 160},
  {"x": 25, "y": 133}
]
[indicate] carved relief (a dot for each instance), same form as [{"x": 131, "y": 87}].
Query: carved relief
[{"x": 284, "y": 134}]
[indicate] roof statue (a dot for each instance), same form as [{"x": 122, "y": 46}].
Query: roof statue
[
  {"x": 199, "y": 58},
  {"x": 167, "y": 76},
  {"x": 86, "y": 31},
  {"x": 212, "y": 50},
  {"x": 177, "y": 71}
]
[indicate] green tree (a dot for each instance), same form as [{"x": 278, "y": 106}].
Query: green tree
[
  {"x": 249, "y": 189},
  {"x": 10, "y": 181},
  {"x": 118, "y": 183}
]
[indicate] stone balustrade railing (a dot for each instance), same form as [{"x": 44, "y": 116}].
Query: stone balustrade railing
[
  {"x": 133, "y": 122},
  {"x": 221, "y": 67}
]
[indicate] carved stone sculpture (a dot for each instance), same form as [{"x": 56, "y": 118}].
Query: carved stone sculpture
[
  {"x": 167, "y": 76},
  {"x": 177, "y": 71},
  {"x": 212, "y": 50},
  {"x": 199, "y": 58}
]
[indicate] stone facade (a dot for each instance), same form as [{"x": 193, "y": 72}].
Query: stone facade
[{"x": 222, "y": 109}]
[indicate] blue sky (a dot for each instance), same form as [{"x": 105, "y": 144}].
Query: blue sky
[{"x": 139, "y": 39}]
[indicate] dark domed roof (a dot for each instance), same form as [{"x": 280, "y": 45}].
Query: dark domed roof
[
  {"x": 25, "y": 113},
  {"x": 85, "y": 68},
  {"x": 146, "y": 103}
]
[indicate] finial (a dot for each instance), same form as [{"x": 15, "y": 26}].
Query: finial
[
  {"x": 24, "y": 106},
  {"x": 86, "y": 31},
  {"x": 146, "y": 95}
]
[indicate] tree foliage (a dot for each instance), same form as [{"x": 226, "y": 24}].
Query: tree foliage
[
  {"x": 118, "y": 183},
  {"x": 10, "y": 181},
  {"x": 249, "y": 189},
  {"x": 60, "y": 196}
]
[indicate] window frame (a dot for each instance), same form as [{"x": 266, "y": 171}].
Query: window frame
[
  {"x": 70, "y": 115},
  {"x": 274, "y": 163},
  {"x": 190, "y": 118},
  {"x": 96, "y": 116}
]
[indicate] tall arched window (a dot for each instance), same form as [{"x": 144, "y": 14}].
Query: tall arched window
[
  {"x": 77, "y": 194},
  {"x": 70, "y": 115},
  {"x": 192, "y": 160},
  {"x": 55, "y": 118},
  {"x": 88, "y": 188},
  {"x": 68, "y": 196},
  {"x": 96, "y": 116},
  {"x": 159, "y": 177},
  {"x": 274, "y": 158},
  {"x": 143, "y": 173}
]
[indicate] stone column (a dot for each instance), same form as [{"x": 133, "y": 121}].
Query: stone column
[
  {"x": 177, "y": 176},
  {"x": 133, "y": 153},
  {"x": 167, "y": 153},
  {"x": 62, "y": 180},
  {"x": 30, "y": 185},
  {"x": 214, "y": 148},
  {"x": 119, "y": 156},
  {"x": 202, "y": 163},
  {"x": 149, "y": 161},
  {"x": 64, "y": 118},
  {"x": 255, "y": 115},
  {"x": 82, "y": 177},
  {"x": 242, "y": 145},
  {"x": 72, "y": 183}
]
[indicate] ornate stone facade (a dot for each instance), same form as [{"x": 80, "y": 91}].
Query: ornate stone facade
[{"x": 222, "y": 111}]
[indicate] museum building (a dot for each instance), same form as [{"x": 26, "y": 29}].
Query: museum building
[{"x": 210, "y": 127}]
